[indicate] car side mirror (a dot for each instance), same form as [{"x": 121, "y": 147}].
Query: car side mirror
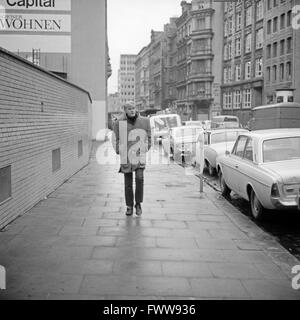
[{"x": 227, "y": 153}]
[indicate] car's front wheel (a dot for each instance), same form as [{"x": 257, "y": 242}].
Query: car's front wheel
[
  {"x": 257, "y": 210},
  {"x": 211, "y": 169},
  {"x": 225, "y": 190}
]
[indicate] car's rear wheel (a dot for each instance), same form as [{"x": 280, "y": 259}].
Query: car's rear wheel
[
  {"x": 257, "y": 210},
  {"x": 225, "y": 190}
]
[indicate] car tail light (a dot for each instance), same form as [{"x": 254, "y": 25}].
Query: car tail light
[{"x": 275, "y": 190}]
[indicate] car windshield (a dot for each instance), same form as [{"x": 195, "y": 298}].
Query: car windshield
[
  {"x": 189, "y": 131},
  {"x": 281, "y": 149},
  {"x": 224, "y": 136}
]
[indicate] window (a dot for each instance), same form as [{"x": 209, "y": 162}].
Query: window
[
  {"x": 248, "y": 154},
  {"x": 229, "y": 47},
  {"x": 238, "y": 72},
  {"x": 275, "y": 49},
  {"x": 282, "y": 21},
  {"x": 268, "y": 74},
  {"x": 289, "y": 45},
  {"x": 238, "y": 21},
  {"x": 268, "y": 51},
  {"x": 247, "y": 98},
  {"x": 5, "y": 183},
  {"x": 248, "y": 16},
  {"x": 227, "y": 100},
  {"x": 230, "y": 25},
  {"x": 56, "y": 160},
  {"x": 240, "y": 146},
  {"x": 259, "y": 38},
  {"x": 282, "y": 47},
  {"x": 289, "y": 18},
  {"x": 269, "y": 4},
  {"x": 247, "y": 70},
  {"x": 281, "y": 70},
  {"x": 238, "y": 46},
  {"x": 259, "y": 10},
  {"x": 269, "y": 26},
  {"x": 258, "y": 67},
  {"x": 275, "y": 24},
  {"x": 248, "y": 43},
  {"x": 289, "y": 70},
  {"x": 237, "y": 99},
  {"x": 80, "y": 148},
  {"x": 274, "y": 73},
  {"x": 275, "y": 3},
  {"x": 200, "y": 23}
]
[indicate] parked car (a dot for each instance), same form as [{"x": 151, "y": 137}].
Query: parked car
[
  {"x": 217, "y": 142},
  {"x": 162, "y": 123},
  {"x": 193, "y": 123},
  {"x": 224, "y": 122},
  {"x": 263, "y": 168},
  {"x": 181, "y": 142}
]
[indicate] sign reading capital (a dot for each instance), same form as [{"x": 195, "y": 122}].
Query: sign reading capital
[{"x": 64, "y": 5}]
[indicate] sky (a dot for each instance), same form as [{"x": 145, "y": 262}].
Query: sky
[{"x": 129, "y": 27}]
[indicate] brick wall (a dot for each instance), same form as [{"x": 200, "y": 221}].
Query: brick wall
[{"x": 38, "y": 113}]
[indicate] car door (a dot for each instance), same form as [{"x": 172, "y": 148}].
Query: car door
[
  {"x": 246, "y": 168},
  {"x": 231, "y": 168}
]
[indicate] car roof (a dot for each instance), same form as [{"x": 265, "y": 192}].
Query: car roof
[
  {"x": 164, "y": 115},
  {"x": 226, "y": 130},
  {"x": 274, "y": 133},
  {"x": 278, "y": 105},
  {"x": 185, "y": 127}
]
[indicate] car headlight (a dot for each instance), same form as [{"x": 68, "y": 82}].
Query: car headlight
[{"x": 275, "y": 191}]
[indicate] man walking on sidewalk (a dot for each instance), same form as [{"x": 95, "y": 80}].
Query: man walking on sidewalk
[{"x": 132, "y": 140}]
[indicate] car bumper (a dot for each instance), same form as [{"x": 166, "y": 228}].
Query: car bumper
[{"x": 286, "y": 203}]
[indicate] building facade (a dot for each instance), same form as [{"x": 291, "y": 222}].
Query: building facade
[
  {"x": 142, "y": 74},
  {"x": 156, "y": 86},
  {"x": 242, "y": 85},
  {"x": 282, "y": 50},
  {"x": 126, "y": 78},
  {"x": 113, "y": 103},
  {"x": 170, "y": 65},
  {"x": 198, "y": 59},
  {"x": 61, "y": 38}
]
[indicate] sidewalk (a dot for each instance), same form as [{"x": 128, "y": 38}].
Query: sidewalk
[{"x": 78, "y": 243}]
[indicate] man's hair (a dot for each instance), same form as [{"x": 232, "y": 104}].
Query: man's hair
[{"x": 128, "y": 104}]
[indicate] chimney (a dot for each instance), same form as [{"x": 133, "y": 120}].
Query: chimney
[{"x": 184, "y": 6}]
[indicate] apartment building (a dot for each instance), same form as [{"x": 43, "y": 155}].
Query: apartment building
[
  {"x": 170, "y": 64},
  {"x": 282, "y": 51},
  {"x": 243, "y": 53},
  {"x": 126, "y": 78},
  {"x": 142, "y": 72},
  {"x": 199, "y": 47}
]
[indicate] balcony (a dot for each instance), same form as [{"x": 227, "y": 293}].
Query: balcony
[
  {"x": 201, "y": 75},
  {"x": 199, "y": 51},
  {"x": 200, "y": 96},
  {"x": 202, "y": 32}
]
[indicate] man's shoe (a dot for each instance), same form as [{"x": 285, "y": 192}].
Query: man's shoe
[
  {"x": 129, "y": 211},
  {"x": 138, "y": 209}
]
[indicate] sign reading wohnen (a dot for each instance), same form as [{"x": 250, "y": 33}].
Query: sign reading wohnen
[
  {"x": 39, "y": 24},
  {"x": 23, "y": 16}
]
